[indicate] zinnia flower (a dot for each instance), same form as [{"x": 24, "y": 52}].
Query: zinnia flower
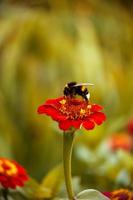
[
  {"x": 73, "y": 112},
  {"x": 121, "y": 194},
  {"x": 121, "y": 141},
  {"x": 11, "y": 174}
]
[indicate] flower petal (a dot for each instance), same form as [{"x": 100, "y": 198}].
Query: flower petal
[
  {"x": 98, "y": 117},
  {"x": 65, "y": 125},
  {"x": 96, "y": 108},
  {"x": 76, "y": 123},
  {"x": 51, "y": 111},
  {"x": 107, "y": 194},
  {"x": 88, "y": 124}
]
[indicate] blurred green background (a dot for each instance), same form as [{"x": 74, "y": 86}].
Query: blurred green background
[{"x": 43, "y": 45}]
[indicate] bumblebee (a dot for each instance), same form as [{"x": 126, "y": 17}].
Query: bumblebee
[{"x": 73, "y": 88}]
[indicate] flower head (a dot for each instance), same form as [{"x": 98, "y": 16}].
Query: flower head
[
  {"x": 11, "y": 174},
  {"x": 121, "y": 141},
  {"x": 73, "y": 112},
  {"x": 121, "y": 194}
]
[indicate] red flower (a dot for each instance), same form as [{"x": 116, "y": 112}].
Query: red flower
[
  {"x": 121, "y": 141},
  {"x": 11, "y": 174},
  {"x": 130, "y": 127},
  {"x": 73, "y": 112},
  {"x": 121, "y": 194}
]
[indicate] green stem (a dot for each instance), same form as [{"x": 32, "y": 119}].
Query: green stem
[
  {"x": 5, "y": 194},
  {"x": 68, "y": 139}
]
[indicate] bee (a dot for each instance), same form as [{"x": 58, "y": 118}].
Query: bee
[{"x": 73, "y": 88}]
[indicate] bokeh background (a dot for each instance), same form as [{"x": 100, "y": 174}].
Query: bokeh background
[{"x": 43, "y": 45}]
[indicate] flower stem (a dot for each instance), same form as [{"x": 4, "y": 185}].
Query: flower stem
[
  {"x": 5, "y": 194},
  {"x": 68, "y": 139}
]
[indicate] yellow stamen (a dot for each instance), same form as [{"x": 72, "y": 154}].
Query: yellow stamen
[
  {"x": 63, "y": 101},
  {"x": 82, "y": 111},
  {"x": 12, "y": 170}
]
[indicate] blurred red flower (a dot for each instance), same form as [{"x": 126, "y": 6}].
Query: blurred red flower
[
  {"x": 121, "y": 141},
  {"x": 11, "y": 174},
  {"x": 73, "y": 112},
  {"x": 130, "y": 127},
  {"x": 121, "y": 194}
]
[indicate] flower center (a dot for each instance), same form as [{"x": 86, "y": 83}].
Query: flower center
[
  {"x": 74, "y": 108},
  {"x": 7, "y": 167}
]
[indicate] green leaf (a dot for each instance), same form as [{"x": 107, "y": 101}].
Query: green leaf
[
  {"x": 91, "y": 194},
  {"x": 31, "y": 188},
  {"x": 53, "y": 180}
]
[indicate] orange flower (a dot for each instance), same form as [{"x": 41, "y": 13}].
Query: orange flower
[
  {"x": 73, "y": 112},
  {"x": 121, "y": 194},
  {"x": 12, "y": 174},
  {"x": 121, "y": 141}
]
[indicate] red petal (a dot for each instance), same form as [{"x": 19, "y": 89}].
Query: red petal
[
  {"x": 76, "y": 123},
  {"x": 98, "y": 117},
  {"x": 65, "y": 125},
  {"x": 96, "y": 108},
  {"x": 51, "y": 111},
  {"x": 41, "y": 109},
  {"x": 88, "y": 124},
  {"x": 107, "y": 194}
]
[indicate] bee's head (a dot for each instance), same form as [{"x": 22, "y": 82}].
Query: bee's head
[{"x": 71, "y": 84}]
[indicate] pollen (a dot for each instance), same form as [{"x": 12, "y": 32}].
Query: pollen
[
  {"x": 11, "y": 171},
  {"x": 12, "y": 168},
  {"x": 82, "y": 111},
  {"x": 6, "y": 167},
  {"x": 63, "y": 101},
  {"x": 74, "y": 109},
  {"x": 89, "y": 106}
]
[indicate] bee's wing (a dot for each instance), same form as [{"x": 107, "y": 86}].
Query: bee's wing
[{"x": 83, "y": 84}]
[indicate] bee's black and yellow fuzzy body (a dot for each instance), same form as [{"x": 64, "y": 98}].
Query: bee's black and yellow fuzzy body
[{"x": 72, "y": 89}]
